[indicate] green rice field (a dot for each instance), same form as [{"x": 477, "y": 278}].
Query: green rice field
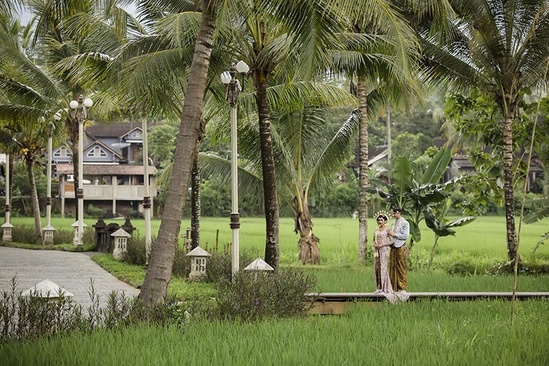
[{"x": 426, "y": 332}]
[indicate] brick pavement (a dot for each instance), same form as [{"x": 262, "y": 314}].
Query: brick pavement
[{"x": 72, "y": 271}]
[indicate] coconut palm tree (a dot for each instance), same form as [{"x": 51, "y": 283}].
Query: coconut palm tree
[
  {"x": 309, "y": 155},
  {"x": 28, "y": 99},
  {"x": 377, "y": 54},
  {"x": 499, "y": 47},
  {"x": 76, "y": 40},
  {"x": 155, "y": 286},
  {"x": 279, "y": 39}
]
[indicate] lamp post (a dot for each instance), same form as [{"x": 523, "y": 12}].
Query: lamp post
[
  {"x": 7, "y": 226},
  {"x": 147, "y": 203},
  {"x": 233, "y": 89},
  {"x": 80, "y": 113},
  {"x": 48, "y": 229}
]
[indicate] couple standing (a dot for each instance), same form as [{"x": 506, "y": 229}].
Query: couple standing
[{"x": 390, "y": 267}]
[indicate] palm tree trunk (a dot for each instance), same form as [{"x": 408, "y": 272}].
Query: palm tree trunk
[
  {"x": 159, "y": 271},
  {"x": 509, "y": 199},
  {"x": 363, "y": 172},
  {"x": 309, "y": 252},
  {"x": 195, "y": 202},
  {"x": 35, "y": 202},
  {"x": 268, "y": 169}
]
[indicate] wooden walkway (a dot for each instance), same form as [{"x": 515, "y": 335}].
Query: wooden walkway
[{"x": 337, "y": 302}]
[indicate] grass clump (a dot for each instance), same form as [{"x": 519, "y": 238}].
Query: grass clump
[
  {"x": 24, "y": 236},
  {"x": 255, "y": 295},
  {"x": 36, "y": 315}
]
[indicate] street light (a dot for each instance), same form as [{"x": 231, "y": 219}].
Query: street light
[
  {"x": 79, "y": 111},
  {"x": 7, "y": 227},
  {"x": 49, "y": 229},
  {"x": 147, "y": 203},
  {"x": 233, "y": 89}
]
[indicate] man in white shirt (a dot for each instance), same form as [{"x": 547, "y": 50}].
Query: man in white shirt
[{"x": 398, "y": 270}]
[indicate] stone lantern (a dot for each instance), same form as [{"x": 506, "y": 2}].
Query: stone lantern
[
  {"x": 7, "y": 229},
  {"x": 76, "y": 230},
  {"x": 120, "y": 243},
  {"x": 199, "y": 259},
  {"x": 47, "y": 290},
  {"x": 48, "y": 234},
  {"x": 259, "y": 265}
]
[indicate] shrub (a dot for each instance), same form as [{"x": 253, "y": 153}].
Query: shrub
[
  {"x": 25, "y": 234},
  {"x": 531, "y": 268},
  {"x": 28, "y": 317},
  {"x": 95, "y": 212},
  {"x": 135, "y": 253},
  {"x": 181, "y": 263},
  {"x": 462, "y": 268},
  {"x": 254, "y": 295}
]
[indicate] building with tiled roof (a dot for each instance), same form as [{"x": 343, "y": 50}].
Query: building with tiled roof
[{"x": 114, "y": 175}]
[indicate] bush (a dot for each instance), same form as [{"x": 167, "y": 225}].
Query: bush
[
  {"x": 25, "y": 234},
  {"x": 135, "y": 253},
  {"x": 254, "y": 295},
  {"x": 28, "y": 317},
  {"x": 95, "y": 212}
]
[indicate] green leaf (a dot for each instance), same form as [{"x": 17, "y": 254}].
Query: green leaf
[
  {"x": 402, "y": 175},
  {"x": 415, "y": 232},
  {"x": 437, "y": 167},
  {"x": 461, "y": 222},
  {"x": 533, "y": 217}
]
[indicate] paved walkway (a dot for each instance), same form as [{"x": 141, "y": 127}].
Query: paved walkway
[{"x": 72, "y": 271}]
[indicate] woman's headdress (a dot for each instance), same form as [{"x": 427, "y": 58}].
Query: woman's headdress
[{"x": 382, "y": 213}]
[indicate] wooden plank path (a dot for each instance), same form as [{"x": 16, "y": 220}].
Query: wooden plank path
[{"x": 337, "y": 302}]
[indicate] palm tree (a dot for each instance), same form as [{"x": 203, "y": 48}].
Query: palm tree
[
  {"x": 499, "y": 47},
  {"x": 28, "y": 96},
  {"x": 379, "y": 49},
  {"x": 28, "y": 139},
  {"x": 155, "y": 286},
  {"x": 278, "y": 38},
  {"x": 75, "y": 40},
  {"x": 309, "y": 155}
]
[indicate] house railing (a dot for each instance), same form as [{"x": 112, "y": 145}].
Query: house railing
[{"x": 110, "y": 192}]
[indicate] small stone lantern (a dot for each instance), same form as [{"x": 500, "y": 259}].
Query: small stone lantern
[
  {"x": 199, "y": 259},
  {"x": 75, "y": 227},
  {"x": 259, "y": 265},
  {"x": 47, "y": 290},
  {"x": 120, "y": 243},
  {"x": 6, "y": 235},
  {"x": 48, "y": 234}
]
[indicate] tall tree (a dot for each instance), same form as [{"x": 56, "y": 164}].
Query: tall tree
[
  {"x": 75, "y": 40},
  {"x": 28, "y": 93},
  {"x": 309, "y": 155},
  {"x": 498, "y": 46},
  {"x": 378, "y": 53},
  {"x": 155, "y": 286},
  {"x": 286, "y": 38}
]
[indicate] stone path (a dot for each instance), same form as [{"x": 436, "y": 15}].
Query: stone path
[{"x": 72, "y": 271}]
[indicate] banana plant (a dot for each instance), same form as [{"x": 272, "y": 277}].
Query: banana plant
[
  {"x": 435, "y": 218},
  {"x": 535, "y": 217},
  {"x": 414, "y": 190}
]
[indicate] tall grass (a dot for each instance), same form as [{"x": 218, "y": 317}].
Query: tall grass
[
  {"x": 482, "y": 240},
  {"x": 417, "y": 333}
]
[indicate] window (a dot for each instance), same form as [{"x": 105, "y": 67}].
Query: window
[
  {"x": 135, "y": 134},
  {"x": 97, "y": 152},
  {"x": 62, "y": 152}
]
